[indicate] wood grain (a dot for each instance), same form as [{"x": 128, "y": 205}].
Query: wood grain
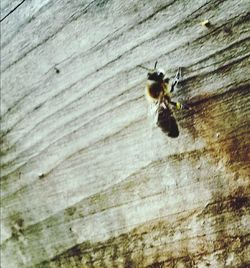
[{"x": 86, "y": 179}]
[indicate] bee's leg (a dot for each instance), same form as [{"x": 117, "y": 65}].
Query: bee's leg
[
  {"x": 176, "y": 80},
  {"x": 179, "y": 105}
]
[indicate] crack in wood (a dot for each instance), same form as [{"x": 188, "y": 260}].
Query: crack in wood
[{"x": 14, "y": 9}]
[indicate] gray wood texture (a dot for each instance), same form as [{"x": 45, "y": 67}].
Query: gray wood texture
[{"x": 86, "y": 179}]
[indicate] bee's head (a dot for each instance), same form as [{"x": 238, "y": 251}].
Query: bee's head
[{"x": 157, "y": 75}]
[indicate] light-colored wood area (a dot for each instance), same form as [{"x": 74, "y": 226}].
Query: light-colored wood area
[{"x": 86, "y": 179}]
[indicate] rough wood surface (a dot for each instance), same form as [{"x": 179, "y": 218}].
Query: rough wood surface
[{"x": 86, "y": 180}]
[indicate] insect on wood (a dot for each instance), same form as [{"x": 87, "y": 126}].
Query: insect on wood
[{"x": 158, "y": 92}]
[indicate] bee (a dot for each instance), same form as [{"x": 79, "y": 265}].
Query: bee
[{"x": 158, "y": 92}]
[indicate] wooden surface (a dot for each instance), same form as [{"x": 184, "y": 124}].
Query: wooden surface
[{"x": 86, "y": 179}]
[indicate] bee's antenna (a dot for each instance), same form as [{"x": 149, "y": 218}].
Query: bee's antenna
[
  {"x": 155, "y": 64},
  {"x": 145, "y": 68},
  {"x": 148, "y": 69}
]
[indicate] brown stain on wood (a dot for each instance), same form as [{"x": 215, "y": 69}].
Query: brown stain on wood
[
  {"x": 223, "y": 128},
  {"x": 132, "y": 249}
]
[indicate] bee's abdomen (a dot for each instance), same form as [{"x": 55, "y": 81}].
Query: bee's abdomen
[
  {"x": 153, "y": 90},
  {"x": 167, "y": 122}
]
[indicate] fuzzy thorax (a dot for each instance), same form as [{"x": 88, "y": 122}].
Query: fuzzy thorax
[{"x": 155, "y": 90}]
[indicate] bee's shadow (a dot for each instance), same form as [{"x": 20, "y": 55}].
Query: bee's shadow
[{"x": 167, "y": 122}]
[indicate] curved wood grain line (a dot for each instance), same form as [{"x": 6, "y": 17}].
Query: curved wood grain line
[
  {"x": 204, "y": 74},
  {"x": 235, "y": 61},
  {"x": 132, "y": 175},
  {"x": 131, "y": 226},
  {"x": 46, "y": 39},
  {"x": 127, "y": 181},
  {"x": 103, "y": 67},
  {"x": 223, "y": 67},
  {"x": 206, "y": 99},
  {"x": 59, "y": 30},
  {"x": 218, "y": 52},
  {"x": 3, "y": 134},
  {"x": 5, "y": 176},
  {"x": 228, "y": 65},
  {"x": 35, "y": 226},
  {"x": 105, "y": 244},
  {"x": 27, "y": 21},
  {"x": 10, "y": 148},
  {"x": 172, "y": 157},
  {"x": 144, "y": 20},
  {"x": 81, "y": 54}
]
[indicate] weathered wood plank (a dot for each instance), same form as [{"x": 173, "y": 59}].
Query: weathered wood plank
[{"x": 86, "y": 180}]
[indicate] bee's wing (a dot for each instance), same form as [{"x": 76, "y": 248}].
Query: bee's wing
[
  {"x": 153, "y": 112},
  {"x": 167, "y": 122}
]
